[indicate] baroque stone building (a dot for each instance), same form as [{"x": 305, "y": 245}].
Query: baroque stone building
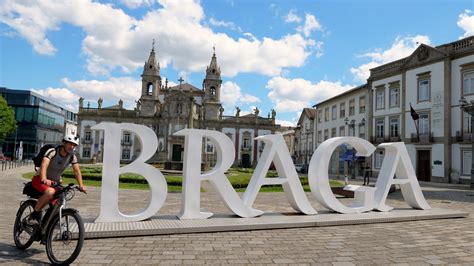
[{"x": 167, "y": 109}]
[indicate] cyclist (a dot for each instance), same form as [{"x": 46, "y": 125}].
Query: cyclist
[{"x": 54, "y": 163}]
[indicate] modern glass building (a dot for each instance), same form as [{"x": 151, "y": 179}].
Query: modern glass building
[{"x": 39, "y": 122}]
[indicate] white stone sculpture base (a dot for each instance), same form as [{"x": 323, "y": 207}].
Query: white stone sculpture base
[{"x": 170, "y": 224}]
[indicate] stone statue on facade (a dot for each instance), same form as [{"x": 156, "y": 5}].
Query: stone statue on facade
[
  {"x": 120, "y": 104},
  {"x": 273, "y": 113},
  {"x": 221, "y": 111},
  {"x": 81, "y": 102},
  {"x": 139, "y": 104},
  {"x": 99, "y": 103},
  {"x": 256, "y": 111},
  {"x": 237, "y": 113}
]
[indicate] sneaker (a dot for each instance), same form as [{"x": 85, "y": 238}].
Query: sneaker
[{"x": 35, "y": 218}]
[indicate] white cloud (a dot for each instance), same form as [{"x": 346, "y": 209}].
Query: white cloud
[
  {"x": 231, "y": 96},
  {"x": 310, "y": 24},
  {"x": 295, "y": 94},
  {"x": 111, "y": 91},
  {"x": 466, "y": 22},
  {"x": 125, "y": 88},
  {"x": 401, "y": 47},
  {"x": 115, "y": 40},
  {"x": 225, "y": 24},
  {"x": 286, "y": 123},
  {"x": 63, "y": 96},
  {"x": 137, "y": 3},
  {"x": 292, "y": 17}
]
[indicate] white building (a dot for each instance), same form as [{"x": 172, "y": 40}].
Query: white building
[
  {"x": 343, "y": 115},
  {"x": 304, "y": 137},
  {"x": 432, "y": 80}
]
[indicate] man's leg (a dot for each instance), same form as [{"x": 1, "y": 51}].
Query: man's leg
[{"x": 44, "y": 199}]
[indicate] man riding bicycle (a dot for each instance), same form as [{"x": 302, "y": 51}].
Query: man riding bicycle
[{"x": 53, "y": 164}]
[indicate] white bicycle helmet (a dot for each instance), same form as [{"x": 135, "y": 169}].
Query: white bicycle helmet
[{"x": 71, "y": 138}]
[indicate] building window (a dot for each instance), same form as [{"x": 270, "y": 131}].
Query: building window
[
  {"x": 468, "y": 82},
  {"x": 326, "y": 114},
  {"x": 379, "y": 154},
  {"x": 352, "y": 107},
  {"x": 333, "y": 133},
  {"x": 342, "y": 110},
  {"x": 379, "y": 128},
  {"x": 424, "y": 124},
  {"x": 125, "y": 154},
  {"x": 126, "y": 138},
  {"x": 212, "y": 90},
  {"x": 423, "y": 88},
  {"x": 326, "y": 134},
  {"x": 394, "y": 97},
  {"x": 334, "y": 112},
  {"x": 320, "y": 136},
  {"x": 362, "y": 131},
  {"x": 342, "y": 131},
  {"x": 246, "y": 143},
  {"x": 394, "y": 127},
  {"x": 380, "y": 99},
  {"x": 467, "y": 122},
  {"x": 320, "y": 116},
  {"x": 86, "y": 153},
  {"x": 466, "y": 162},
  {"x": 179, "y": 108},
  {"x": 150, "y": 88},
  {"x": 362, "y": 105},
  {"x": 87, "y": 136}
]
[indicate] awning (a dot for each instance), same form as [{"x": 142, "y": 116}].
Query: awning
[{"x": 347, "y": 156}]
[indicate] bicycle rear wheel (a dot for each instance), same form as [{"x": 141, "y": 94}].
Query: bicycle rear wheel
[
  {"x": 64, "y": 239},
  {"x": 23, "y": 233}
]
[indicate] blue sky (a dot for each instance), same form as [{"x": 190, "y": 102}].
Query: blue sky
[{"x": 285, "y": 55}]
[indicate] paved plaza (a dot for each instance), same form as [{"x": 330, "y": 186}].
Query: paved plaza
[{"x": 441, "y": 241}]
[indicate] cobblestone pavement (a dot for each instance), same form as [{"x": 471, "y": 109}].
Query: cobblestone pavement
[{"x": 445, "y": 241}]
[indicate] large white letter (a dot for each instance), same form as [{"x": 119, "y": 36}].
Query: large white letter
[
  {"x": 397, "y": 162},
  {"x": 192, "y": 175},
  {"x": 277, "y": 151},
  {"x": 319, "y": 181},
  {"x": 109, "y": 210}
]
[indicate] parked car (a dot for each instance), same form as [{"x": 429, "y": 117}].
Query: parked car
[{"x": 4, "y": 158}]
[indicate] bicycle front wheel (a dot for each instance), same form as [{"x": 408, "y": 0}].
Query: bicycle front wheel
[
  {"x": 23, "y": 233},
  {"x": 65, "y": 238}
]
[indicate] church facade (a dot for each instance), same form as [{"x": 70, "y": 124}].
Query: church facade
[{"x": 167, "y": 109}]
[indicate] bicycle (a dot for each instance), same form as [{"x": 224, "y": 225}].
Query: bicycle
[{"x": 61, "y": 229}]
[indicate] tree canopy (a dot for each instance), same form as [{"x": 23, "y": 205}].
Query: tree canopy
[{"x": 7, "y": 119}]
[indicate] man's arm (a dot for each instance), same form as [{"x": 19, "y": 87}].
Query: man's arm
[
  {"x": 78, "y": 175},
  {"x": 43, "y": 168}
]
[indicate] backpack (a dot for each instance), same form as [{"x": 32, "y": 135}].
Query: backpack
[{"x": 39, "y": 157}]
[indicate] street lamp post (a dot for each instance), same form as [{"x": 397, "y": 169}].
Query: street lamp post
[
  {"x": 351, "y": 125},
  {"x": 469, "y": 108}
]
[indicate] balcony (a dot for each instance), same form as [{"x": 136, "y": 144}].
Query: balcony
[
  {"x": 377, "y": 140},
  {"x": 423, "y": 138},
  {"x": 246, "y": 147},
  {"x": 395, "y": 139},
  {"x": 127, "y": 143},
  {"x": 463, "y": 136},
  {"x": 86, "y": 141}
]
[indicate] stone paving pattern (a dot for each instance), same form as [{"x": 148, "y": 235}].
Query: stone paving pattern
[{"x": 444, "y": 241}]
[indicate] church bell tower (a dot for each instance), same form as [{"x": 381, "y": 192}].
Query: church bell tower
[
  {"x": 212, "y": 90},
  {"x": 149, "y": 102}
]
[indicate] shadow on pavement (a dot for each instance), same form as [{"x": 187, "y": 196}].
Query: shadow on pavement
[
  {"x": 440, "y": 194},
  {"x": 10, "y": 253}
]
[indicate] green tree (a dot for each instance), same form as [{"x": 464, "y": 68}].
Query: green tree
[{"x": 7, "y": 119}]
